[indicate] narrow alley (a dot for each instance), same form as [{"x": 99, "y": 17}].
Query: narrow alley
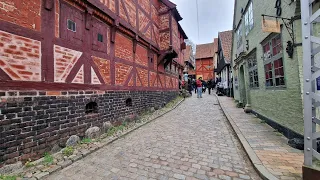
[{"x": 196, "y": 143}]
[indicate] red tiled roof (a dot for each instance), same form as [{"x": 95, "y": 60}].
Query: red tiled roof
[
  {"x": 215, "y": 45},
  {"x": 204, "y": 51},
  {"x": 187, "y": 53},
  {"x": 226, "y": 43}
]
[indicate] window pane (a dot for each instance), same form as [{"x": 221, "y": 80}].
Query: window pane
[
  {"x": 281, "y": 71},
  {"x": 71, "y": 25},
  {"x": 100, "y": 37},
  {"x": 280, "y": 62},
  {"x": 276, "y": 64},
  {"x": 277, "y": 81},
  {"x": 282, "y": 81},
  {"x": 266, "y": 48},
  {"x": 276, "y": 45}
]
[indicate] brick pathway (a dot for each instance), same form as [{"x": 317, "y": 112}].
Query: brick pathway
[
  {"x": 281, "y": 160},
  {"x": 192, "y": 142}
]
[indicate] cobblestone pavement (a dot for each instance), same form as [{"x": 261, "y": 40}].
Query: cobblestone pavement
[
  {"x": 192, "y": 142},
  {"x": 271, "y": 147}
]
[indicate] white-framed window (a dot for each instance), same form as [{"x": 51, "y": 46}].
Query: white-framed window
[
  {"x": 248, "y": 19},
  {"x": 253, "y": 71},
  {"x": 273, "y": 62},
  {"x": 239, "y": 35}
]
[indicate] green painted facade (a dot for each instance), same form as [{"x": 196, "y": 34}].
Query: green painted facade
[{"x": 282, "y": 105}]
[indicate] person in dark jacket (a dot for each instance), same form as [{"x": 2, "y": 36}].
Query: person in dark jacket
[
  {"x": 190, "y": 86},
  {"x": 204, "y": 86},
  {"x": 209, "y": 85}
]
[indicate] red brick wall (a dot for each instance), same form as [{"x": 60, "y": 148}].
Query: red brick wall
[
  {"x": 152, "y": 79},
  {"x": 145, "y": 4},
  {"x": 122, "y": 73},
  {"x": 164, "y": 40},
  {"x": 104, "y": 69},
  {"x": 25, "y": 13},
  {"x": 123, "y": 47},
  {"x": 143, "y": 75},
  {"x": 141, "y": 56},
  {"x": 110, "y": 4}
]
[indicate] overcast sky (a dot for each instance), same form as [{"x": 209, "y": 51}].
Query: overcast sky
[{"x": 214, "y": 16}]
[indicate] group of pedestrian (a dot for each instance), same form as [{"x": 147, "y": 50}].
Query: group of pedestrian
[{"x": 200, "y": 86}]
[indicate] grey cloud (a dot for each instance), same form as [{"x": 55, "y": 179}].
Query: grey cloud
[{"x": 214, "y": 16}]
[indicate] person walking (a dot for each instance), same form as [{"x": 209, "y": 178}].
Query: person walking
[
  {"x": 194, "y": 82},
  {"x": 190, "y": 86},
  {"x": 209, "y": 86},
  {"x": 199, "y": 87},
  {"x": 204, "y": 86}
]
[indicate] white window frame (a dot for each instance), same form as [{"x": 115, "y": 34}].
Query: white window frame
[
  {"x": 248, "y": 19},
  {"x": 239, "y": 35}
]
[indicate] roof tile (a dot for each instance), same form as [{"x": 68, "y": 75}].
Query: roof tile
[
  {"x": 204, "y": 51},
  {"x": 226, "y": 43}
]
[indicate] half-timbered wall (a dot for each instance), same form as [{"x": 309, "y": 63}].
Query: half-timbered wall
[
  {"x": 64, "y": 56},
  {"x": 53, "y": 52},
  {"x": 204, "y": 68}
]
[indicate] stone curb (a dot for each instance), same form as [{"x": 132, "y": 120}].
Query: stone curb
[
  {"x": 43, "y": 175},
  {"x": 258, "y": 166}
]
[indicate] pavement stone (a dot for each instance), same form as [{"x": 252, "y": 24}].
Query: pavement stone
[
  {"x": 194, "y": 141},
  {"x": 270, "y": 148}
]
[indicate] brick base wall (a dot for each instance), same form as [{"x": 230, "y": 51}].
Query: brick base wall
[{"x": 32, "y": 122}]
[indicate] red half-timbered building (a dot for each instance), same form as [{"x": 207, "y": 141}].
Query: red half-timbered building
[
  {"x": 204, "y": 61},
  {"x": 67, "y": 65}
]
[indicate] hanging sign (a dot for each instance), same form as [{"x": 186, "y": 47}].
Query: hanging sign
[{"x": 270, "y": 26}]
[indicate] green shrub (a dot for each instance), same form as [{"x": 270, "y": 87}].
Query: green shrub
[
  {"x": 29, "y": 164},
  {"x": 111, "y": 131},
  {"x": 48, "y": 159},
  {"x": 68, "y": 151},
  {"x": 3, "y": 177},
  {"x": 85, "y": 141}
]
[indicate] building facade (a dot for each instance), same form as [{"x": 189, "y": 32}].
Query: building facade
[
  {"x": 189, "y": 60},
  {"x": 67, "y": 65},
  {"x": 204, "y": 61},
  {"x": 215, "y": 56},
  {"x": 267, "y": 70},
  {"x": 224, "y": 58}
]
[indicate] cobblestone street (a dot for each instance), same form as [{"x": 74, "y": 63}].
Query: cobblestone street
[{"x": 194, "y": 141}]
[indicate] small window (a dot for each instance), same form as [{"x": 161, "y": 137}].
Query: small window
[
  {"x": 151, "y": 59},
  {"x": 100, "y": 37},
  {"x": 129, "y": 102},
  {"x": 71, "y": 25},
  {"x": 91, "y": 107}
]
